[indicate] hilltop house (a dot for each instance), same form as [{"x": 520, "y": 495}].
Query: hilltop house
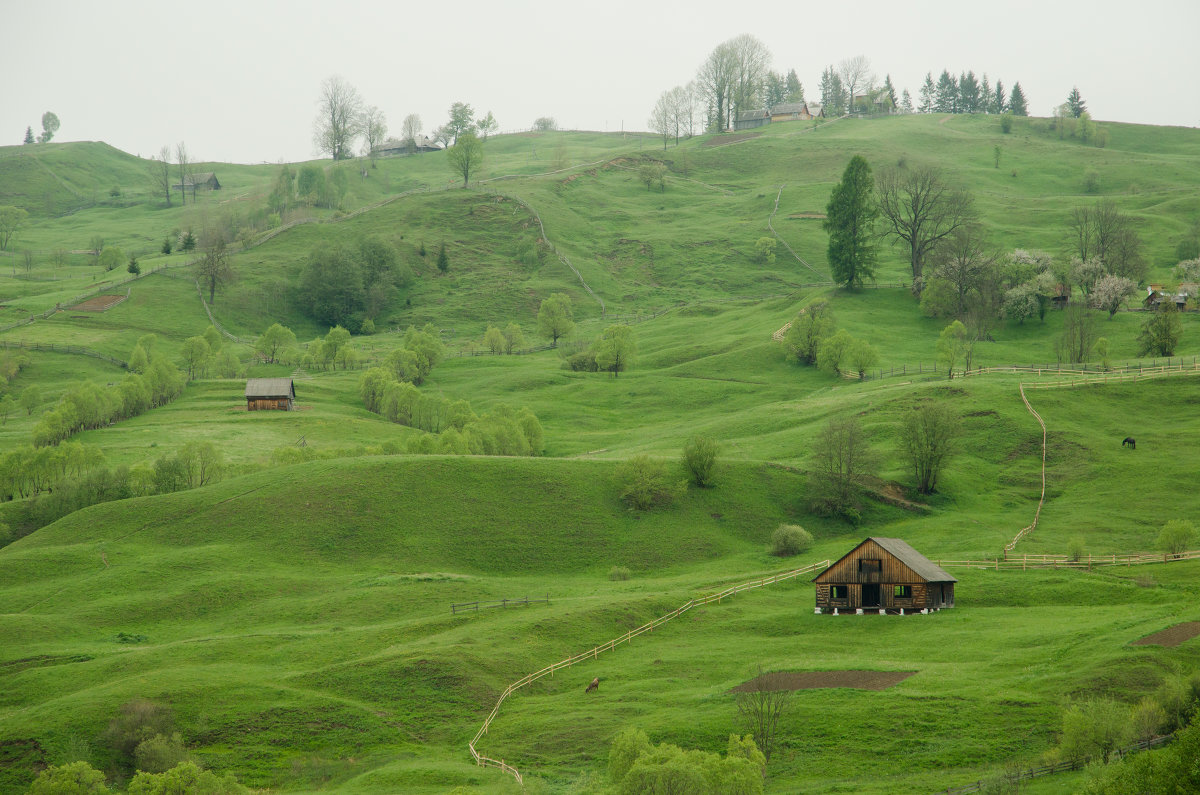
[
  {"x": 395, "y": 148},
  {"x": 791, "y": 111},
  {"x": 270, "y": 394},
  {"x": 884, "y": 575},
  {"x": 750, "y": 119}
]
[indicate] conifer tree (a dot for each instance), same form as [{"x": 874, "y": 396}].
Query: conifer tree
[
  {"x": 1075, "y": 103},
  {"x": 1016, "y": 102},
  {"x": 1000, "y": 101},
  {"x": 927, "y": 94},
  {"x": 29, "y": 135},
  {"x": 986, "y": 97},
  {"x": 850, "y": 221}
]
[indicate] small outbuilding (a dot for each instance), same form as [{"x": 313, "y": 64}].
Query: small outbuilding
[
  {"x": 750, "y": 119},
  {"x": 791, "y": 111},
  {"x": 884, "y": 575},
  {"x": 206, "y": 180},
  {"x": 270, "y": 394}
]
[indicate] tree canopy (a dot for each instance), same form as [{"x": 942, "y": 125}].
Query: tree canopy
[{"x": 850, "y": 219}]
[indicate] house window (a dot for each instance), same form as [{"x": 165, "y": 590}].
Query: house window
[
  {"x": 839, "y": 592},
  {"x": 903, "y": 592},
  {"x": 869, "y": 566}
]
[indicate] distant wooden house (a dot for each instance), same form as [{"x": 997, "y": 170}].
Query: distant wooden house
[
  {"x": 1155, "y": 294},
  {"x": 884, "y": 575},
  {"x": 270, "y": 394},
  {"x": 206, "y": 180},
  {"x": 791, "y": 111},
  {"x": 1061, "y": 296},
  {"x": 750, "y": 119},
  {"x": 395, "y": 148}
]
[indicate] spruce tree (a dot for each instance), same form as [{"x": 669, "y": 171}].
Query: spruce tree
[
  {"x": 906, "y": 102},
  {"x": 850, "y": 220},
  {"x": 891, "y": 90},
  {"x": 795, "y": 89},
  {"x": 1000, "y": 101},
  {"x": 1075, "y": 103},
  {"x": 1016, "y": 102},
  {"x": 28, "y": 135},
  {"x": 443, "y": 262},
  {"x": 946, "y": 98},
  {"x": 986, "y": 97},
  {"x": 927, "y": 94},
  {"x": 968, "y": 93}
]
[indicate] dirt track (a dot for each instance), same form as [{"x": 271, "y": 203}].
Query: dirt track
[{"x": 99, "y": 303}]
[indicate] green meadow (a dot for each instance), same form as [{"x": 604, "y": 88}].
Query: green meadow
[{"x": 298, "y": 616}]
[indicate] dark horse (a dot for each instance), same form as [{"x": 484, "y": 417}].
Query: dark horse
[
  {"x": 1129, "y": 442},
  {"x": 595, "y": 685}
]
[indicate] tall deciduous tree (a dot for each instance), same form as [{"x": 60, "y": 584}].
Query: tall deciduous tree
[
  {"x": 1161, "y": 331},
  {"x": 465, "y": 156},
  {"x": 965, "y": 262},
  {"x": 274, "y": 341},
  {"x": 339, "y": 118},
  {"x": 856, "y": 76},
  {"x": 843, "y": 460},
  {"x": 50, "y": 126},
  {"x": 803, "y": 338},
  {"x": 183, "y": 164},
  {"x": 927, "y": 437},
  {"x": 214, "y": 269},
  {"x": 1078, "y": 334},
  {"x": 487, "y": 125},
  {"x": 920, "y": 209},
  {"x": 555, "y": 317},
  {"x": 752, "y": 60},
  {"x": 410, "y": 128},
  {"x": 850, "y": 222},
  {"x": 717, "y": 79},
  {"x": 462, "y": 120},
  {"x": 953, "y": 346},
  {"x": 160, "y": 172},
  {"x": 374, "y": 130},
  {"x": 616, "y": 349},
  {"x": 11, "y": 221},
  {"x": 1111, "y": 292}
]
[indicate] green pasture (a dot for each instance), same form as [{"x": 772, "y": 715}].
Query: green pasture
[{"x": 298, "y": 618}]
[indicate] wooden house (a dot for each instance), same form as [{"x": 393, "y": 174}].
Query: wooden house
[
  {"x": 270, "y": 394},
  {"x": 750, "y": 119},
  {"x": 206, "y": 180},
  {"x": 884, "y": 575},
  {"x": 791, "y": 111},
  {"x": 1155, "y": 294}
]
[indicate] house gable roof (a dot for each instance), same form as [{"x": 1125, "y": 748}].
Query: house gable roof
[
  {"x": 920, "y": 565},
  {"x": 270, "y": 388},
  {"x": 753, "y": 114},
  {"x": 789, "y": 107}
]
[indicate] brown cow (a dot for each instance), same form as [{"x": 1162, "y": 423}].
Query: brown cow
[{"x": 595, "y": 685}]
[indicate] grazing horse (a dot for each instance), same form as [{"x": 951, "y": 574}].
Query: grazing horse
[
  {"x": 595, "y": 685},
  {"x": 1129, "y": 442}
]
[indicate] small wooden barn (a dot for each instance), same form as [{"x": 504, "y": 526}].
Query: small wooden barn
[
  {"x": 270, "y": 394},
  {"x": 205, "y": 180},
  {"x": 884, "y": 575},
  {"x": 751, "y": 119},
  {"x": 791, "y": 111}
]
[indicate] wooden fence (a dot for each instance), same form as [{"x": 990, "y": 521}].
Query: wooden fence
[
  {"x": 593, "y": 653},
  {"x": 72, "y": 349},
  {"x": 464, "y": 607},
  {"x": 1023, "y": 774},
  {"x": 1023, "y": 562}
]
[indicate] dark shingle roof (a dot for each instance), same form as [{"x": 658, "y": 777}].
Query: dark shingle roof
[
  {"x": 923, "y": 566},
  {"x": 270, "y": 388},
  {"x": 789, "y": 107}
]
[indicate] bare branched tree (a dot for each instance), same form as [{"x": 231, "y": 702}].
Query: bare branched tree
[
  {"x": 410, "y": 129},
  {"x": 965, "y": 261},
  {"x": 856, "y": 77},
  {"x": 338, "y": 122},
  {"x": 160, "y": 172},
  {"x": 214, "y": 269},
  {"x": 716, "y": 80},
  {"x": 919, "y": 208},
  {"x": 374, "y": 130},
  {"x": 752, "y": 61},
  {"x": 1105, "y": 233},
  {"x": 760, "y": 707},
  {"x": 183, "y": 164}
]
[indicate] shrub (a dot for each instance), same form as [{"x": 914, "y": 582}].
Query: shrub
[
  {"x": 367, "y": 327},
  {"x": 1091, "y": 181},
  {"x": 1076, "y": 548},
  {"x": 583, "y": 362},
  {"x": 185, "y": 777},
  {"x": 618, "y": 573},
  {"x": 764, "y": 250},
  {"x": 700, "y": 459},
  {"x": 160, "y": 753},
  {"x": 790, "y": 539},
  {"x": 77, "y": 778},
  {"x": 140, "y": 720},
  {"x": 644, "y": 482},
  {"x": 1176, "y": 536},
  {"x": 1006, "y": 122}
]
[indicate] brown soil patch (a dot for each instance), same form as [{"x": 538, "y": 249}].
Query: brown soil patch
[
  {"x": 720, "y": 140},
  {"x": 812, "y": 680},
  {"x": 1171, "y": 636},
  {"x": 99, "y": 303}
]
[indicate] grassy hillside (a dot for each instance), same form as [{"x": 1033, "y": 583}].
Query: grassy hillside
[{"x": 298, "y": 618}]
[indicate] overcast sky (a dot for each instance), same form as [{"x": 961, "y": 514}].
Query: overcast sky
[{"x": 238, "y": 81}]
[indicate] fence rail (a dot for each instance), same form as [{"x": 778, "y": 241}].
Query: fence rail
[
  {"x": 1017, "y": 776},
  {"x": 72, "y": 349},
  {"x": 593, "y": 653}
]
